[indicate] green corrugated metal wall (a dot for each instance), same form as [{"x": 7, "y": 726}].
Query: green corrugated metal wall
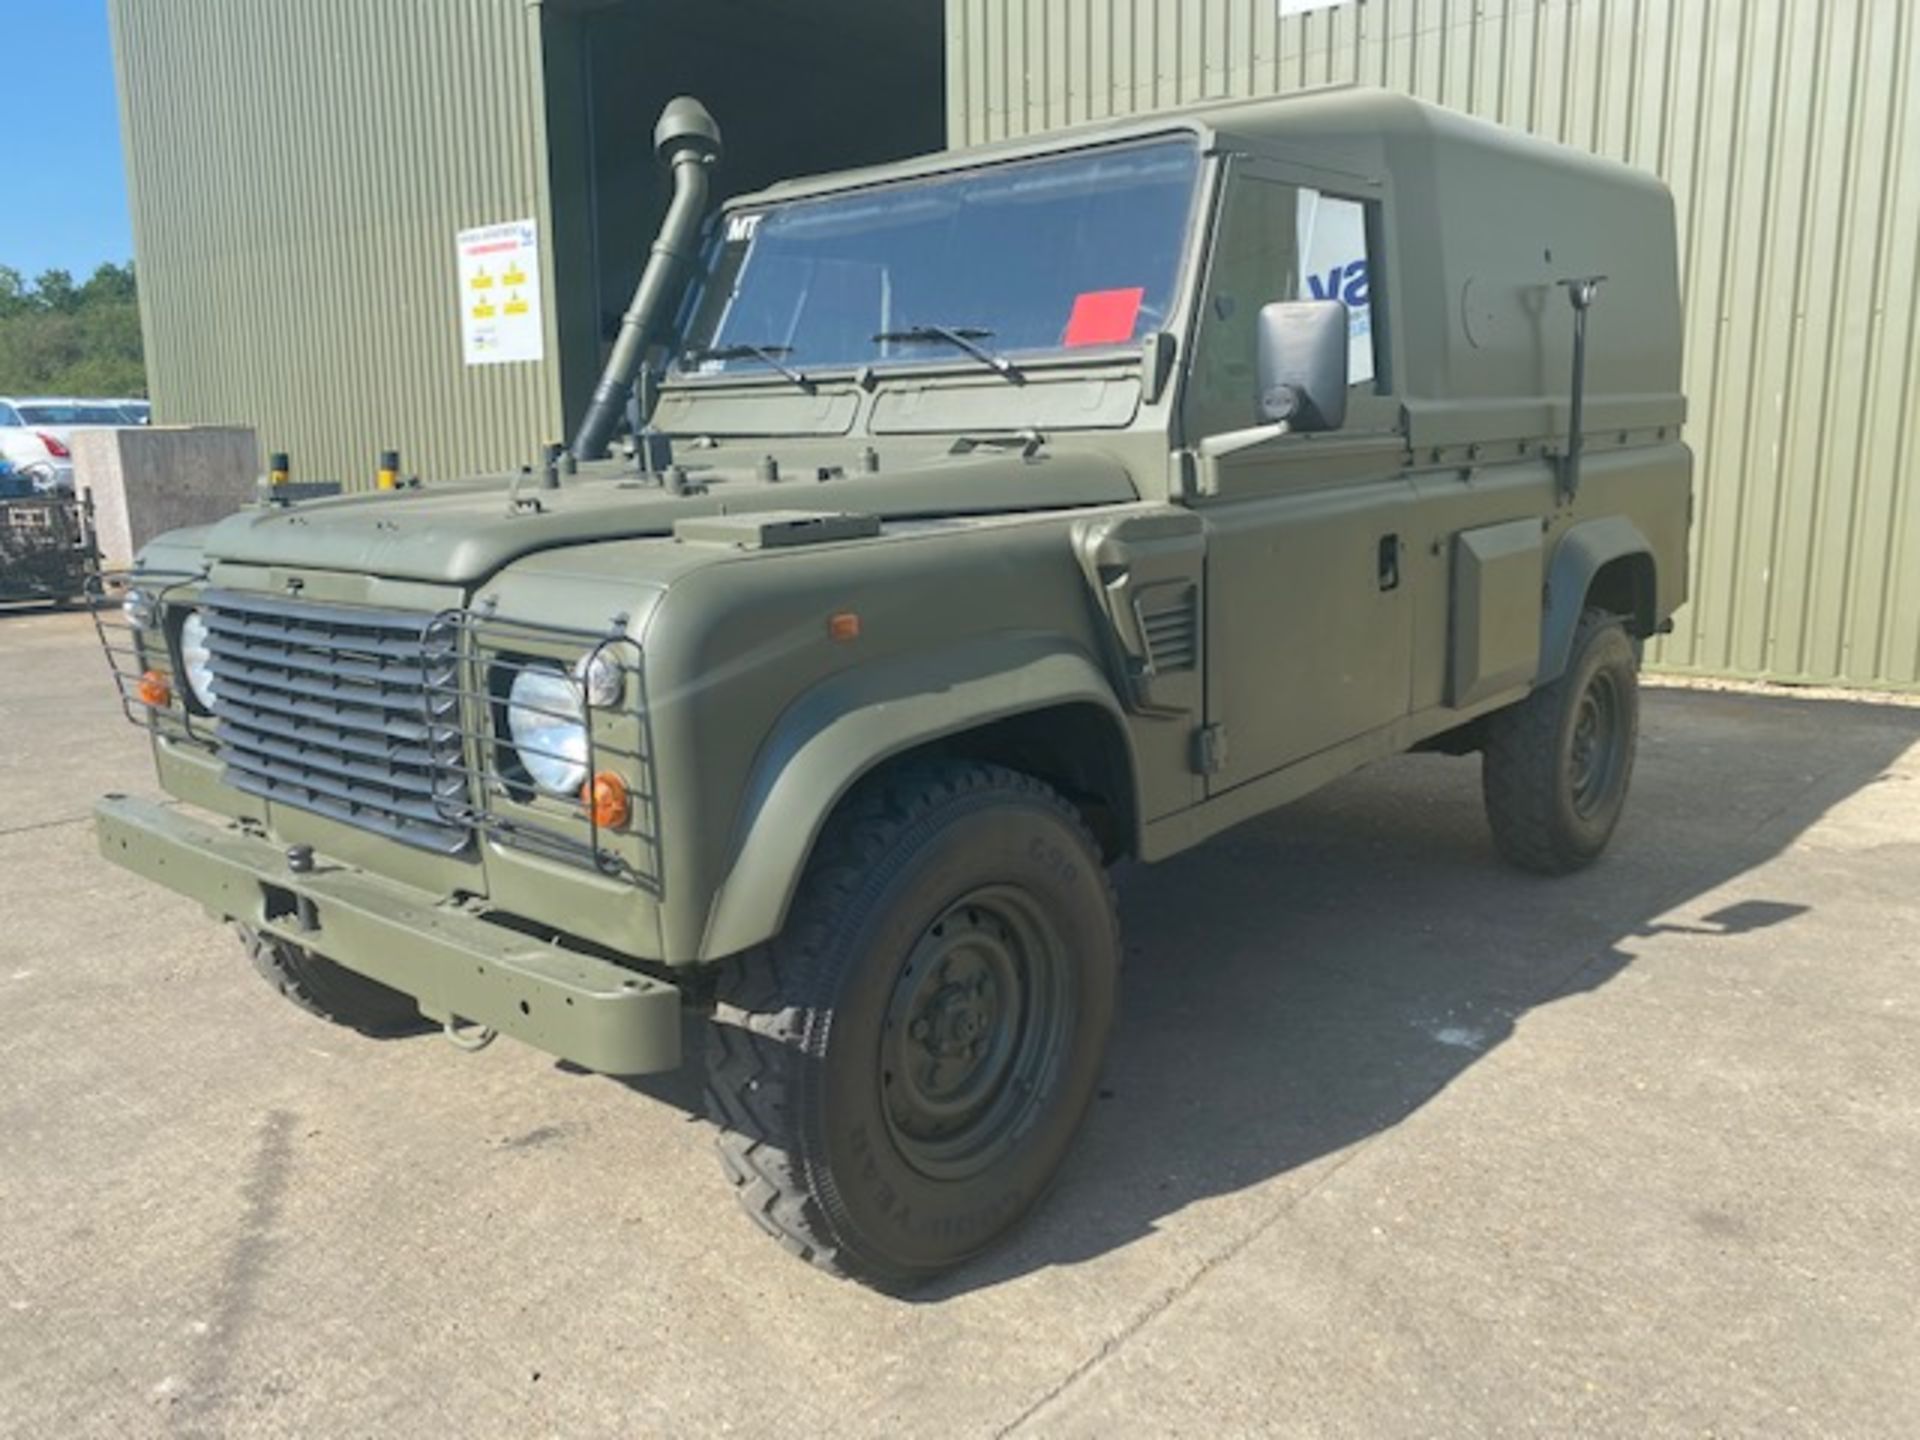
[
  {"x": 313, "y": 162},
  {"x": 1788, "y": 130}
]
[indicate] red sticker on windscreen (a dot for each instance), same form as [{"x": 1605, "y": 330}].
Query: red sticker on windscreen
[{"x": 1104, "y": 317}]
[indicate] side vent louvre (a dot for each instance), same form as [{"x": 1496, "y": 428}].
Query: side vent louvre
[{"x": 1170, "y": 620}]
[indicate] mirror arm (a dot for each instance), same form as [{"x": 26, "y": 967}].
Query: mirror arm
[{"x": 1232, "y": 442}]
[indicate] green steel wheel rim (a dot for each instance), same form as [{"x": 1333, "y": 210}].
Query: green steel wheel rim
[
  {"x": 1598, "y": 751},
  {"x": 975, "y": 1032}
]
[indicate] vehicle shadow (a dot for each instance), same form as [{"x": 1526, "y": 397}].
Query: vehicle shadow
[
  {"x": 17, "y": 606},
  {"x": 1314, "y": 977}
]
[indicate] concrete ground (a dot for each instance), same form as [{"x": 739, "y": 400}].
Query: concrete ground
[{"x": 1393, "y": 1142}]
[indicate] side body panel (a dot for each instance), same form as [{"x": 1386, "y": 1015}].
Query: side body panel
[{"x": 1493, "y": 640}]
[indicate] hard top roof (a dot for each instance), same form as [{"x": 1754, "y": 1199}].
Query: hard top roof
[{"x": 1356, "y": 123}]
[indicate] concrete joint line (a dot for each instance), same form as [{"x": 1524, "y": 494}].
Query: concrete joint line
[
  {"x": 1155, "y": 1309},
  {"x": 45, "y": 825}
]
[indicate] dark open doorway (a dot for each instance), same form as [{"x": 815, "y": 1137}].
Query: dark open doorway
[{"x": 797, "y": 89}]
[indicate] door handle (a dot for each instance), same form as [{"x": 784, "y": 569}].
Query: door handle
[{"x": 1389, "y": 572}]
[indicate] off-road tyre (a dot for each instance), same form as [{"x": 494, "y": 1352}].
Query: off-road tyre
[
  {"x": 1557, "y": 765},
  {"x": 331, "y": 991},
  {"x": 928, "y": 878}
]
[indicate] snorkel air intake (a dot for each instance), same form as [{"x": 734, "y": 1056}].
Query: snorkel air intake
[{"x": 687, "y": 139}]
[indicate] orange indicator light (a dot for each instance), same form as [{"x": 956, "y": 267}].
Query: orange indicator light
[
  {"x": 606, "y": 799},
  {"x": 154, "y": 690},
  {"x": 844, "y": 626}
]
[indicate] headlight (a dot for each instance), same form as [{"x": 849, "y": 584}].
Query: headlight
[
  {"x": 547, "y": 721},
  {"x": 196, "y": 658}
]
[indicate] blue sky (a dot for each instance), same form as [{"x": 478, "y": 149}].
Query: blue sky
[{"x": 65, "y": 187}]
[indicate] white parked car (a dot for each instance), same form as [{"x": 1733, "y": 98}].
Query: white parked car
[{"x": 35, "y": 432}]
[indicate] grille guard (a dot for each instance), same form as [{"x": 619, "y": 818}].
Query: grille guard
[{"x": 287, "y": 743}]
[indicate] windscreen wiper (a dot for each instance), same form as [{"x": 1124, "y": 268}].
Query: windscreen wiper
[
  {"x": 765, "y": 354},
  {"x": 961, "y": 338}
]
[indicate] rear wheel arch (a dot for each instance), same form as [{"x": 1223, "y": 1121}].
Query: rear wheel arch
[
  {"x": 1606, "y": 564},
  {"x": 1625, "y": 586}
]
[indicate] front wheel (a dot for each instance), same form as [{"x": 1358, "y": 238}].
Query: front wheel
[
  {"x": 899, "y": 1074},
  {"x": 1556, "y": 766}
]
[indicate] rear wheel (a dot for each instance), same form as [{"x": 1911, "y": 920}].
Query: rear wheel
[
  {"x": 1556, "y": 766},
  {"x": 898, "y": 1076},
  {"x": 321, "y": 987}
]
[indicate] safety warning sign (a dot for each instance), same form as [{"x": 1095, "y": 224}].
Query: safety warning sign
[{"x": 500, "y": 319}]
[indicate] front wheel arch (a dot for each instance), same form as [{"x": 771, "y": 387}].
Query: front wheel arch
[
  {"x": 987, "y": 701},
  {"x": 1078, "y": 748}
]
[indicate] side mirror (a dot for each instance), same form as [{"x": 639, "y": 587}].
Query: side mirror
[{"x": 1303, "y": 364}]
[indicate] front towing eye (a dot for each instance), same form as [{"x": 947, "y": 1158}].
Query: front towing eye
[{"x": 471, "y": 1040}]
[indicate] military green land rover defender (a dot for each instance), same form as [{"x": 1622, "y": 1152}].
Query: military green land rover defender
[{"x": 979, "y": 521}]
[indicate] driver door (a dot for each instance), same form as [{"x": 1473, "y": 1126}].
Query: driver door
[{"x": 1309, "y": 621}]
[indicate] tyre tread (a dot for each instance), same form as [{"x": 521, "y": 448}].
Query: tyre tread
[{"x": 323, "y": 988}]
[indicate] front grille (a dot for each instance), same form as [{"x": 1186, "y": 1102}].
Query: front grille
[{"x": 347, "y": 712}]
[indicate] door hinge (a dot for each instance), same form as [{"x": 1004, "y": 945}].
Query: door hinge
[{"x": 1210, "y": 749}]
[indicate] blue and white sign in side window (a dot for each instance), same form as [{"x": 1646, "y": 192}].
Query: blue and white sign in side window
[{"x": 1333, "y": 266}]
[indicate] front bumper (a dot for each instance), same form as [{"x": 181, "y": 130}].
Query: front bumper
[{"x": 455, "y": 965}]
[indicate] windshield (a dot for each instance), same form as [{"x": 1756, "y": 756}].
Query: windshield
[
  {"x": 71, "y": 415},
  {"x": 1066, "y": 253}
]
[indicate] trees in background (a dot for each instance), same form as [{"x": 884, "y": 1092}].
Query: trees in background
[{"x": 59, "y": 338}]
